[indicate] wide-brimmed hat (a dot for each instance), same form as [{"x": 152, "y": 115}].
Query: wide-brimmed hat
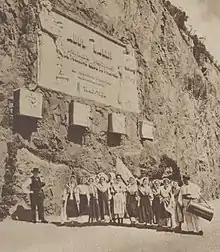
[
  {"x": 35, "y": 170},
  {"x": 72, "y": 176},
  {"x": 156, "y": 181},
  {"x": 103, "y": 175},
  {"x": 91, "y": 177},
  {"x": 118, "y": 175},
  {"x": 166, "y": 179}
]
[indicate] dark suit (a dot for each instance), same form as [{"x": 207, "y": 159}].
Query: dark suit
[{"x": 37, "y": 198}]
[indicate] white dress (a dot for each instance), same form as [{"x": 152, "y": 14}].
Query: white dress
[{"x": 119, "y": 199}]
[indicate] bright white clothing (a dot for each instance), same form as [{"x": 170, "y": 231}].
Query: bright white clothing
[
  {"x": 119, "y": 199},
  {"x": 191, "y": 221}
]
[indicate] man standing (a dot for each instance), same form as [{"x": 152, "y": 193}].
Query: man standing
[
  {"x": 190, "y": 192},
  {"x": 33, "y": 186}
]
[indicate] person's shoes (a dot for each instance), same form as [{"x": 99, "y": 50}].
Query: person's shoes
[
  {"x": 177, "y": 229},
  {"x": 34, "y": 221},
  {"x": 200, "y": 233},
  {"x": 44, "y": 221}
]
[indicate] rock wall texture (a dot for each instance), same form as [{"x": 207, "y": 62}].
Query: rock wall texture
[{"x": 178, "y": 91}]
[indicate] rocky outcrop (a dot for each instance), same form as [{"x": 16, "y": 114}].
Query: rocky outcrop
[{"x": 177, "y": 92}]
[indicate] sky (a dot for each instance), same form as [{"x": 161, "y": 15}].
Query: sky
[{"x": 204, "y": 18}]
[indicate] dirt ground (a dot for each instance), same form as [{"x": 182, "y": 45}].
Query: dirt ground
[{"x": 27, "y": 237}]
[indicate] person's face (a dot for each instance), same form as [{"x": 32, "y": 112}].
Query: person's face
[
  {"x": 102, "y": 179},
  {"x": 118, "y": 178},
  {"x": 132, "y": 181},
  {"x": 36, "y": 174},
  {"x": 72, "y": 180},
  {"x": 166, "y": 183},
  {"x": 97, "y": 179},
  {"x": 186, "y": 181},
  {"x": 145, "y": 181},
  {"x": 83, "y": 181},
  {"x": 91, "y": 181},
  {"x": 157, "y": 184},
  {"x": 175, "y": 185}
]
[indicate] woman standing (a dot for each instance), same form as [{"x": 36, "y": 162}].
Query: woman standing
[
  {"x": 94, "y": 212},
  {"x": 69, "y": 203},
  {"x": 132, "y": 200},
  {"x": 167, "y": 204},
  {"x": 156, "y": 204},
  {"x": 119, "y": 199},
  {"x": 103, "y": 197},
  {"x": 82, "y": 197},
  {"x": 177, "y": 208},
  {"x": 146, "y": 198},
  {"x": 111, "y": 181}
]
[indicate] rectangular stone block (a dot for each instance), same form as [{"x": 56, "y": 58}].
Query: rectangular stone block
[
  {"x": 79, "y": 114},
  {"x": 28, "y": 103},
  {"x": 146, "y": 130},
  {"x": 117, "y": 123},
  {"x": 86, "y": 63}
]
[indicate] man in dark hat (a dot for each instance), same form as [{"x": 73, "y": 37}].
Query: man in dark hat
[{"x": 33, "y": 186}]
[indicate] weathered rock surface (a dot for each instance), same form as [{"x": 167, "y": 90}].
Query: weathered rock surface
[{"x": 175, "y": 93}]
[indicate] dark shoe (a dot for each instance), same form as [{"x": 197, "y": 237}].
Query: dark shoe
[
  {"x": 200, "y": 233},
  {"x": 177, "y": 229},
  {"x": 44, "y": 221},
  {"x": 34, "y": 221}
]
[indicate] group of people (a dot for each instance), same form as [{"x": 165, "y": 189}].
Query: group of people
[{"x": 108, "y": 198}]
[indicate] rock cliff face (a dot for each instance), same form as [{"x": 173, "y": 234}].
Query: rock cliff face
[{"x": 178, "y": 91}]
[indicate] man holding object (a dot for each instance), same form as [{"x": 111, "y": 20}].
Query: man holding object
[
  {"x": 33, "y": 186},
  {"x": 190, "y": 192}
]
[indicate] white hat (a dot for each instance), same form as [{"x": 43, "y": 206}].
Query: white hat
[{"x": 103, "y": 175}]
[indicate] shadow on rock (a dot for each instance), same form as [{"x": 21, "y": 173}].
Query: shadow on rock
[{"x": 21, "y": 214}]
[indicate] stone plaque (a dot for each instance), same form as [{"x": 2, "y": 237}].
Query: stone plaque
[
  {"x": 117, "y": 123},
  {"x": 79, "y": 114},
  {"x": 27, "y": 103},
  {"x": 81, "y": 62},
  {"x": 146, "y": 130}
]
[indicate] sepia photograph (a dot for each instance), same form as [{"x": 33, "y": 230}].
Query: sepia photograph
[{"x": 109, "y": 125}]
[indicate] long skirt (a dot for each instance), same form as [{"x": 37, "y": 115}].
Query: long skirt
[
  {"x": 164, "y": 213},
  {"x": 156, "y": 207},
  {"x": 132, "y": 205},
  {"x": 94, "y": 211},
  {"x": 71, "y": 207},
  {"x": 145, "y": 210},
  {"x": 119, "y": 205},
  {"x": 83, "y": 205},
  {"x": 178, "y": 213},
  {"x": 103, "y": 204}
]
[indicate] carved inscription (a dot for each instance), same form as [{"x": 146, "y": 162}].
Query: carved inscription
[{"x": 85, "y": 63}]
